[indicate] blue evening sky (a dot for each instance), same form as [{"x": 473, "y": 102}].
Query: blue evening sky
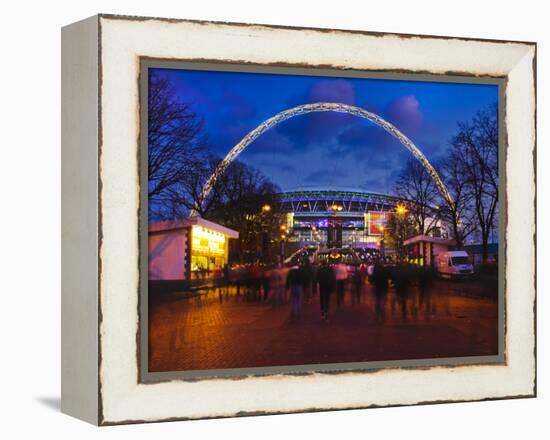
[{"x": 327, "y": 150}]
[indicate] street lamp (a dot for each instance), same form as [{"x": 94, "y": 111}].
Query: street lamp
[
  {"x": 282, "y": 246},
  {"x": 332, "y": 235},
  {"x": 264, "y": 238},
  {"x": 401, "y": 209}
]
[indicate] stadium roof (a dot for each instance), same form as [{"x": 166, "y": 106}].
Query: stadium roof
[
  {"x": 347, "y": 194},
  {"x": 332, "y": 188}
]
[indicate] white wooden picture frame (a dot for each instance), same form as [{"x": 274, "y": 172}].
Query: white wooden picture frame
[{"x": 101, "y": 258}]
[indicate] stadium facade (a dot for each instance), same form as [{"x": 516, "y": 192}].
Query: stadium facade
[{"x": 338, "y": 217}]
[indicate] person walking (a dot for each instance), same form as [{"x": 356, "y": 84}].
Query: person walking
[
  {"x": 277, "y": 284},
  {"x": 326, "y": 281},
  {"x": 307, "y": 279},
  {"x": 357, "y": 281},
  {"x": 402, "y": 279},
  {"x": 239, "y": 278},
  {"x": 294, "y": 283},
  {"x": 265, "y": 282},
  {"x": 380, "y": 281},
  {"x": 255, "y": 279},
  {"x": 314, "y": 284},
  {"x": 341, "y": 274}
]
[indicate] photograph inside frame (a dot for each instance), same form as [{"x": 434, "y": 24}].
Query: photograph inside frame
[{"x": 311, "y": 220}]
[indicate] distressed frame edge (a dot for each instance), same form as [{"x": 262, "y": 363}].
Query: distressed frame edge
[{"x": 142, "y": 18}]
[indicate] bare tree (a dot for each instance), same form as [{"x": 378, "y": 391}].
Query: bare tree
[
  {"x": 417, "y": 187},
  {"x": 242, "y": 191},
  {"x": 242, "y": 194},
  {"x": 459, "y": 215},
  {"x": 176, "y": 144},
  {"x": 185, "y": 195},
  {"x": 475, "y": 152}
]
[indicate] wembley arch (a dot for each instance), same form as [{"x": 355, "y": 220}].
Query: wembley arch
[{"x": 326, "y": 107}]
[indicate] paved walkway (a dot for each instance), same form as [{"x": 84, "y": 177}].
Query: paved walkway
[{"x": 222, "y": 330}]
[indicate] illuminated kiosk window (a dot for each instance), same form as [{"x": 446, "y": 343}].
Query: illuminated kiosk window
[
  {"x": 208, "y": 250},
  {"x": 188, "y": 249}
]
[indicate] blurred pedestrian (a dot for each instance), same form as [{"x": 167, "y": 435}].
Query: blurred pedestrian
[
  {"x": 265, "y": 280},
  {"x": 277, "y": 284},
  {"x": 255, "y": 280},
  {"x": 295, "y": 282},
  {"x": 425, "y": 279},
  {"x": 341, "y": 274},
  {"x": 402, "y": 279},
  {"x": 380, "y": 281},
  {"x": 238, "y": 274},
  {"x": 307, "y": 279},
  {"x": 224, "y": 283},
  {"x": 327, "y": 283},
  {"x": 314, "y": 283},
  {"x": 357, "y": 281}
]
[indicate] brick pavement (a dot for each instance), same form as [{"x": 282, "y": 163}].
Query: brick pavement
[{"x": 221, "y": 330}]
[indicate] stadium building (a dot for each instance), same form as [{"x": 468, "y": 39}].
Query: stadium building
[{"x": 338, "y": 217}]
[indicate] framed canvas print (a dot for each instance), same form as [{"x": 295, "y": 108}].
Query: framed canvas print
[{"x": 263, "y": 220}]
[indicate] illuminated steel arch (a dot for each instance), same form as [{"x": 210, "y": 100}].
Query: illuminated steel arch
[{"x": 325, "y": 107}]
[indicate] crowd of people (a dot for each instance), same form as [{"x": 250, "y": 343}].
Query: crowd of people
[{"x": 302, "y": 281}]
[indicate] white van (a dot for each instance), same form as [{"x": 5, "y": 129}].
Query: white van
[{"x": 454, "y": 264}]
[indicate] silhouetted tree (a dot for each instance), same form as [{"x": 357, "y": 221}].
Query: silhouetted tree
[
  {"x": 417, "y": 186},
  {"x": 474, "y": 151},
  {"x": 185, "y": 195},
  {"x": 243, "y": 193},
  {"x": 459, "y": 215},
  {"x": 176, "y": 145}
]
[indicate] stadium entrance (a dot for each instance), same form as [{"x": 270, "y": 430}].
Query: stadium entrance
[
  {"x": 334, "y": 233},
  {"x": 337, "y": 218}
]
